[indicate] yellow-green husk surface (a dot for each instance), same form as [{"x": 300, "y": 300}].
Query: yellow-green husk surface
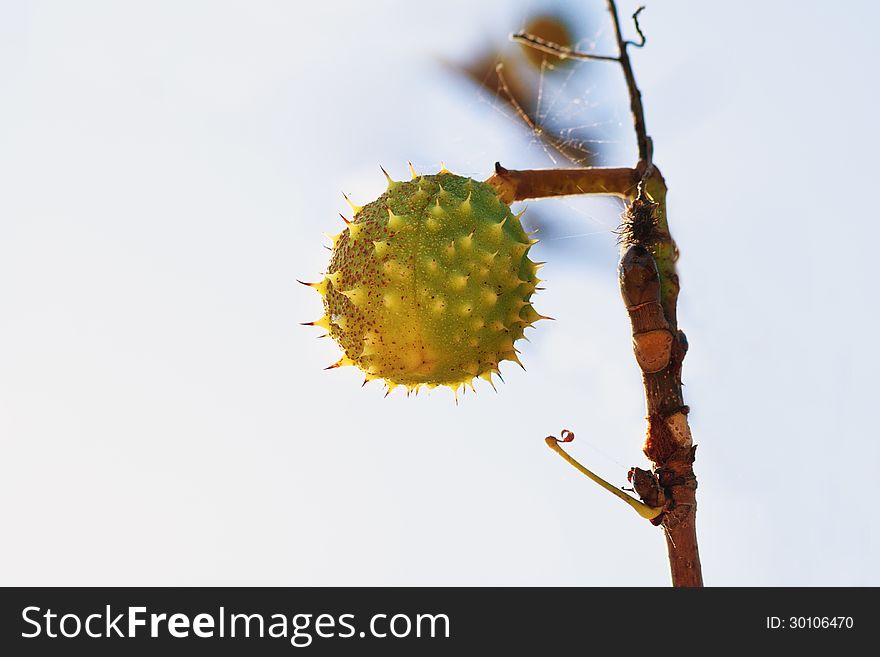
[{"x": 430, "y": 284}]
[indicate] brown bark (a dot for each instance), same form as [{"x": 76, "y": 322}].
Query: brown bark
[
  {"x": 660, "y": 348},
  {"x": 676, "y": 475},
  {"x": 513, "y": 185}
]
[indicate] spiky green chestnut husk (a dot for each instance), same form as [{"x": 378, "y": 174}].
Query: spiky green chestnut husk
[{"x": 430, "y": 284}]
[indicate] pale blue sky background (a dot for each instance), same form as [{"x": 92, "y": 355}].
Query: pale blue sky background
[{"x": 166, "y": 171}]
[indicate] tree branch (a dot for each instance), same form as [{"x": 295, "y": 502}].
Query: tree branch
[
  {"x": 635, "y": 96},
  {"x": 649, "y": 287},
  {"x": 563, "y": 52},
  {"x": 513, "y": 185}
]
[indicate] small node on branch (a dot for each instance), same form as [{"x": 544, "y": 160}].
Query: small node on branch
[
  {"x": 638, "y": 226},
  {"x": 667, "y": 435},
  {"x": 648, "y": 488}
]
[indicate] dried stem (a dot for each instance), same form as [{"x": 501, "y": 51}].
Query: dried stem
[
  {"x": 563, "y": 52},
  {"x": 647, "y": 512},
  {"x": 635, "y": 96}
]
